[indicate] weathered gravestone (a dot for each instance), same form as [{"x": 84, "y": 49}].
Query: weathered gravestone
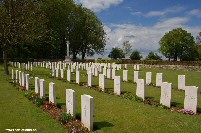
[
  {"x": 159, "y": 79},
  {"x": 87, "y": 111},
  {"x": 52, "y": 93},
  {"x": 71, "y": 102},
  {"x": 191, "y": 98},
  {"x": 148, "y": 78},
  {"x": 42, "y": 88},
  {"x": 117, "y": 85},
  {"x": 181, "y": 82},
  {"x": 141, "y": 88},
  {"x": 166, "y": 94},
  {"x": 37, "y": 85}
]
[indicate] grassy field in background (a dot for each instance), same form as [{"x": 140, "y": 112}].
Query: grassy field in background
[{"x": 112, "y": 113}]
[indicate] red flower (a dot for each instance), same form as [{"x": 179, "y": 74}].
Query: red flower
[{"x": 36, "y": 94}]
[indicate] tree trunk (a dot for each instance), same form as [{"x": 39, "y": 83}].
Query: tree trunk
[{"x": 5, "y": 58}]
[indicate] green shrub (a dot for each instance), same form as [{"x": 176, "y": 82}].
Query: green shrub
[{"x": 65, "y": 117}]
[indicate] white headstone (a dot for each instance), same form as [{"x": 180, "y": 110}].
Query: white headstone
[
  {"x": 109, "y": 74},
  {"x": 87, "y": 113},
  {"x": 102, "y": 81},
  {"x": 105, "y": 71},
  {"x": 191, "y": 98},
  {"x": 141, "y": 89},
  {"x": 27, "y": 81},
  {"x": 126, "y": 66},
  {"x": 57, "y": 73},
  {"x": 125, "y": 75},
  {"x": 113, "y": 73},
  {"x": 20, "y": 78},
  {"x": 42, "y": 88},
  {"x": 16, "y": 76},
  {"x": 90, "y": 79},
  {"x": 159, "y": 79},
  {"x": 70, "y": 102},
  {"x": 52, "y": 93},
  {"x": 148, "y": 78},
  {"x": 96, "y": 71},
  {"x": 166, "y": 94},
  {"x": 23, "y": 79},
  {"x": 68, "y": 75},
  {"x": 37, "y": 85},
  {"x": 62, "y": 73},
  {"x": 181, "y": 82},
  {"x": 117, "y": 85},
  {"x": 78, "y": 77},
  {"x": 136, "y": 76},
  {"x": 53, "y": 72},
  {"x": 13, "y": 74}
]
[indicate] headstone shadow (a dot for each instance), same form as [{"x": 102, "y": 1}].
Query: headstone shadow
[{"x": 102, "y": 124}]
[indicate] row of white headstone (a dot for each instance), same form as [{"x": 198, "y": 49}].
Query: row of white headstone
[
  {"x": 22, "y": 78},
  {"x": 87, "y": 103}
]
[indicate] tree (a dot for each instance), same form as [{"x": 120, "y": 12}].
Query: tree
[
  {"x": 153, "y": 56},
  {"x": 85, "y": 32},
  {"x": 127, "y": 47},
  {"x": 135, "y": 55},
  {"x": 178, "y": 43},
  {"x": 21, "y": 22},
  {"x": 116, "y": 53}
]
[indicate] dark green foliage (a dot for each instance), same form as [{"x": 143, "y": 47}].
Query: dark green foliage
[
  {"x": 135, "y": 55},
  {"x": 116, "y": 53},
  {"x": 153, "y": 56},
  {"x": 65, "y": 117},
  {"x": 178, "y": 43}
]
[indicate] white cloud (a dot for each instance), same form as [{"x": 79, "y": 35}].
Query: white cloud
[
  {"x": 144, "y": 38},
  {"x": 98, "y": 5},
  {"x": 164, "y": 12},
  {"x": 195, "y": 12}
]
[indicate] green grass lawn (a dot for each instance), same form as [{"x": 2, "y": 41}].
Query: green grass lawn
[{"x": 112, "y": 113}]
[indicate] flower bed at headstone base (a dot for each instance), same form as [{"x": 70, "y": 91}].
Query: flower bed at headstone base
[{"x": 57, "y": 112}]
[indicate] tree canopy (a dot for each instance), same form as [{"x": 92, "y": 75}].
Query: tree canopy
[
  {"x": 116, "y": 53},
  {"x": 178, "y": 43},
  {"x": 135, "y": 55},
  {"x": 39, "y": 29},
  {"x": 153, "y": 56}
]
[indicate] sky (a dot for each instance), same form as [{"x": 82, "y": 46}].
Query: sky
[{"x": 144, "y": 22}]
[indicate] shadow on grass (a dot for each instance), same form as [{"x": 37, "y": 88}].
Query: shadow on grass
[
  {"x": 102, "y": 124},
  {"x": 175, "y": 104},
  {"x": 150, "y": 98},
  {"x": 59, "y": 105}
]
